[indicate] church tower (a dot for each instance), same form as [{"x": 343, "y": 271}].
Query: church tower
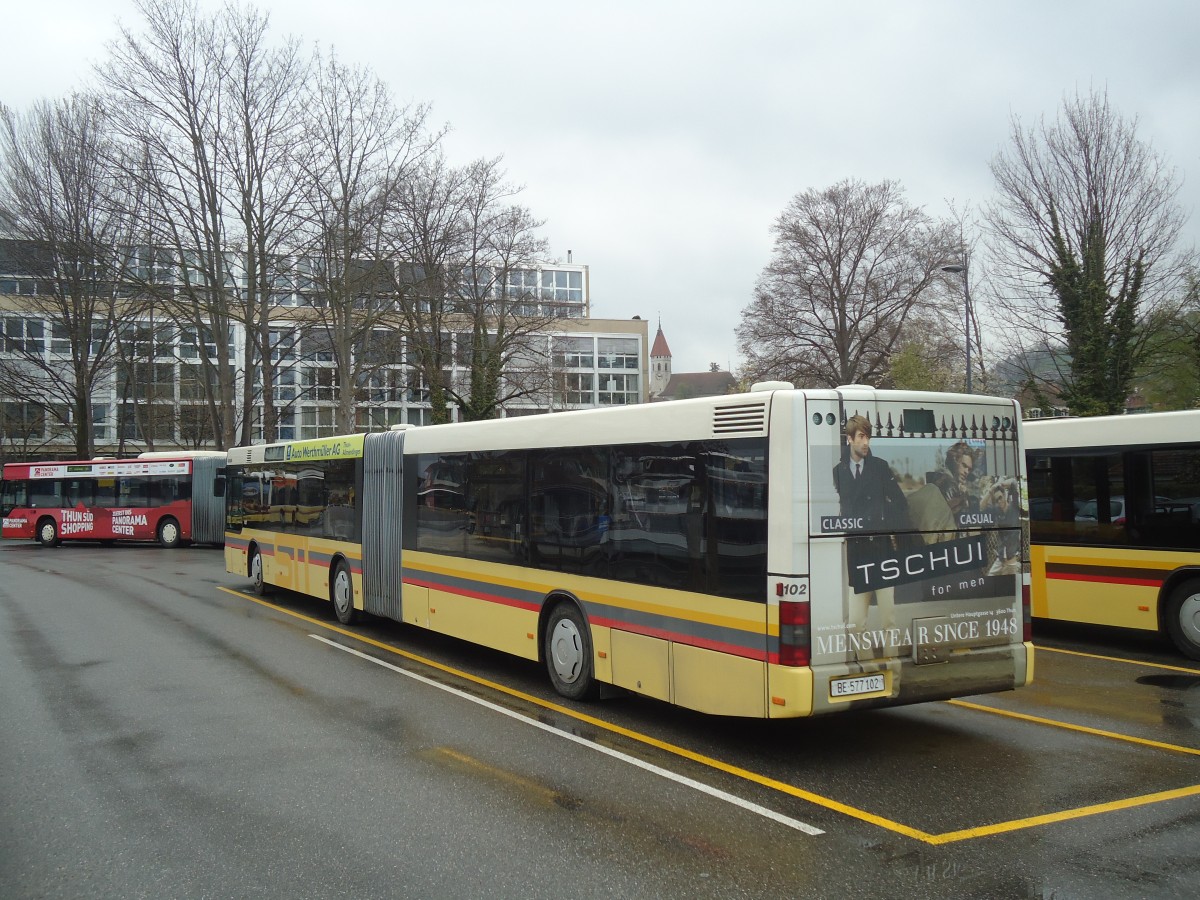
[{"x": 660, "y": 364}]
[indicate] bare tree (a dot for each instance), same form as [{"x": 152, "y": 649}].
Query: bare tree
[
  {"x": 1085, "y": 229},
  {"x": 469, "y": 293},
  {"x": 363, "y": 148},
  {"x": 1172, "y": 379},
  {"x": 852, "y": 265},
  {"x": 505, "y": 315},
  {"x": 164, "y": 87},
  {"x": 927, "y": 357},
  {"x": 427, "y": 239},
  {"x": 213, "y": 116},
  {"x": 57, "y": 194},
  {"x": 263, "y": 152}
]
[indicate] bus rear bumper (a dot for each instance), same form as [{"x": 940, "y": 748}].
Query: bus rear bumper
[{"x": 838, "y": 687}]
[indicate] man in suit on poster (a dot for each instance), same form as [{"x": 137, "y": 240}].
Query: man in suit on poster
[{"x": 871, "y": 498}]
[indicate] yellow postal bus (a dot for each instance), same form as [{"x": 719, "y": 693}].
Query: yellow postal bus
[
  {"x": 741, "y": 555},
  {"x": 1115, "y": 522}
]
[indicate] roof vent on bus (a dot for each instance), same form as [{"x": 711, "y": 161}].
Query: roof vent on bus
[
  {"x": 772, "y": 386},
  {"x": 403, "y": 426},
  {"x": 745, "y": 418}
]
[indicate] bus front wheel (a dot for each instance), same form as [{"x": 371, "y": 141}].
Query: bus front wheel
[
  {"x": 47, "y": 533},
  {"x": 341, "y": 594},
  {"x": 168, "y": 533},
  {"x": 569, "y": 653},
  {"x": 256, "y": 574},
  {"x": 1183, "y": 617}
]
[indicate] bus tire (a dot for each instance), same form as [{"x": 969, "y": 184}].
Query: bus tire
[
  {"x": 257, "y": 580},
  {"x": 568, "y": 651},
  {"x": 341, "y": 593},
  {"x": 169, "y": 533},
  {"x": 1183, "y": 617},
  {"x": 47, "y": 532}
]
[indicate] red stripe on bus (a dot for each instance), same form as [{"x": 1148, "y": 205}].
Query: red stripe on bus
[{"x": 1103, "y": 579}]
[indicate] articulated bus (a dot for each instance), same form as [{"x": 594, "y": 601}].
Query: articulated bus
[
  {"x": 1115, "y": 522},
  {"x": 172, "y": 498},
  {"x": 778, "y": 553}
]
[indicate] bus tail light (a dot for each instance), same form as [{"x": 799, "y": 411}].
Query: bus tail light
[{"x": 794, "y": 634}]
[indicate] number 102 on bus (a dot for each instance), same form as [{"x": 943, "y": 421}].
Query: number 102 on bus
[{"x": 791, "y": 588}]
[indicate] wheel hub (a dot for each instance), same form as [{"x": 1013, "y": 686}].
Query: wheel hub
[{"x": 566, "y": 651}]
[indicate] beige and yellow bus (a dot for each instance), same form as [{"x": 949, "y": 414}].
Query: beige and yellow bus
[
  {"x": 777, "y": 553},
  {"x": 1115, "y": 522}
]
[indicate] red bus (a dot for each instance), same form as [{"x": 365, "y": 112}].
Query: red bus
[{"x": 172, "y": 499}]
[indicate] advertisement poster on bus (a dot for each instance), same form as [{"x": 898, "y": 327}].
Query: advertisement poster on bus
[
  {"x": 931, "y": 555},
  {"x": 91, "y": 523}
]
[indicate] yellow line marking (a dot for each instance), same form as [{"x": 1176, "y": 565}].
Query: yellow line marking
[
  {"x": 1118, "y": 659},
  {"x": 527, "y": 785},
  {"x": 950, "y": 837},
  {"x": 1083, "y": 729},
  {"x": 771, "y": 783}
]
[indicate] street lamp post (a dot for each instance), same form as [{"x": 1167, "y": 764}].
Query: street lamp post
[{"x": 955, "y": 269}]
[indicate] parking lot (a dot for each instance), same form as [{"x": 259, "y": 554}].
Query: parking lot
[{"x": 166, "y": 717}]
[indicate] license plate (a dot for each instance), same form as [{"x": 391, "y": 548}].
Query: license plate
[{"x": 863, "y": 684}]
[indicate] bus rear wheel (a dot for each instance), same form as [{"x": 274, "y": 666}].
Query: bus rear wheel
[
  {"x": 341, "y": 594},
  {"x": 256, "y": 574},
  {"x": 568, "y": 652},
  {"x": 168, "y": 533},
  {"x": 47, "y": 533},
  {"x": 1183, "y": 618}
]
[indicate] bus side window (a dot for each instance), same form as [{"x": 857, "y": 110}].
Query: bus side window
[
  {"x": 167, "y": 490},
  {"x": 15, "y": 494},
  {"x": 46, "y": 494},
  {"x": 1174, "y": 494},
  {"x": 106, "y": 492},
  {"x": 133, "y": 493}
]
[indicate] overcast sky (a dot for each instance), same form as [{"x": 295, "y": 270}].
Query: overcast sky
[{"x": 660, "y": 140}]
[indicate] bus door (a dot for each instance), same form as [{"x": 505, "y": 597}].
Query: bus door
[
  {"x": 14, "y": 507},
  {"x": 281, "y": 514}
]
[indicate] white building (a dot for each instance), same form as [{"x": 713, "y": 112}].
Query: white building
[{"x": 594, "y": 362}]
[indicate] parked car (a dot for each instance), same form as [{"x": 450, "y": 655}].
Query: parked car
[{"x": 1116, "y": 509}]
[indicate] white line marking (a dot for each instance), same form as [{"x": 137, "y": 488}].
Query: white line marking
[{"x": 584, "y": 742}]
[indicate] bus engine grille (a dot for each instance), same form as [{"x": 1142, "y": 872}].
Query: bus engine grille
[{"x": 748, "y": 418}]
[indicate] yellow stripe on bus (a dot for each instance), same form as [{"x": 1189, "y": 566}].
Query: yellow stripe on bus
[
  {"x": 1116, "y": 558},
  {"x": 611, "y": 593}
]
